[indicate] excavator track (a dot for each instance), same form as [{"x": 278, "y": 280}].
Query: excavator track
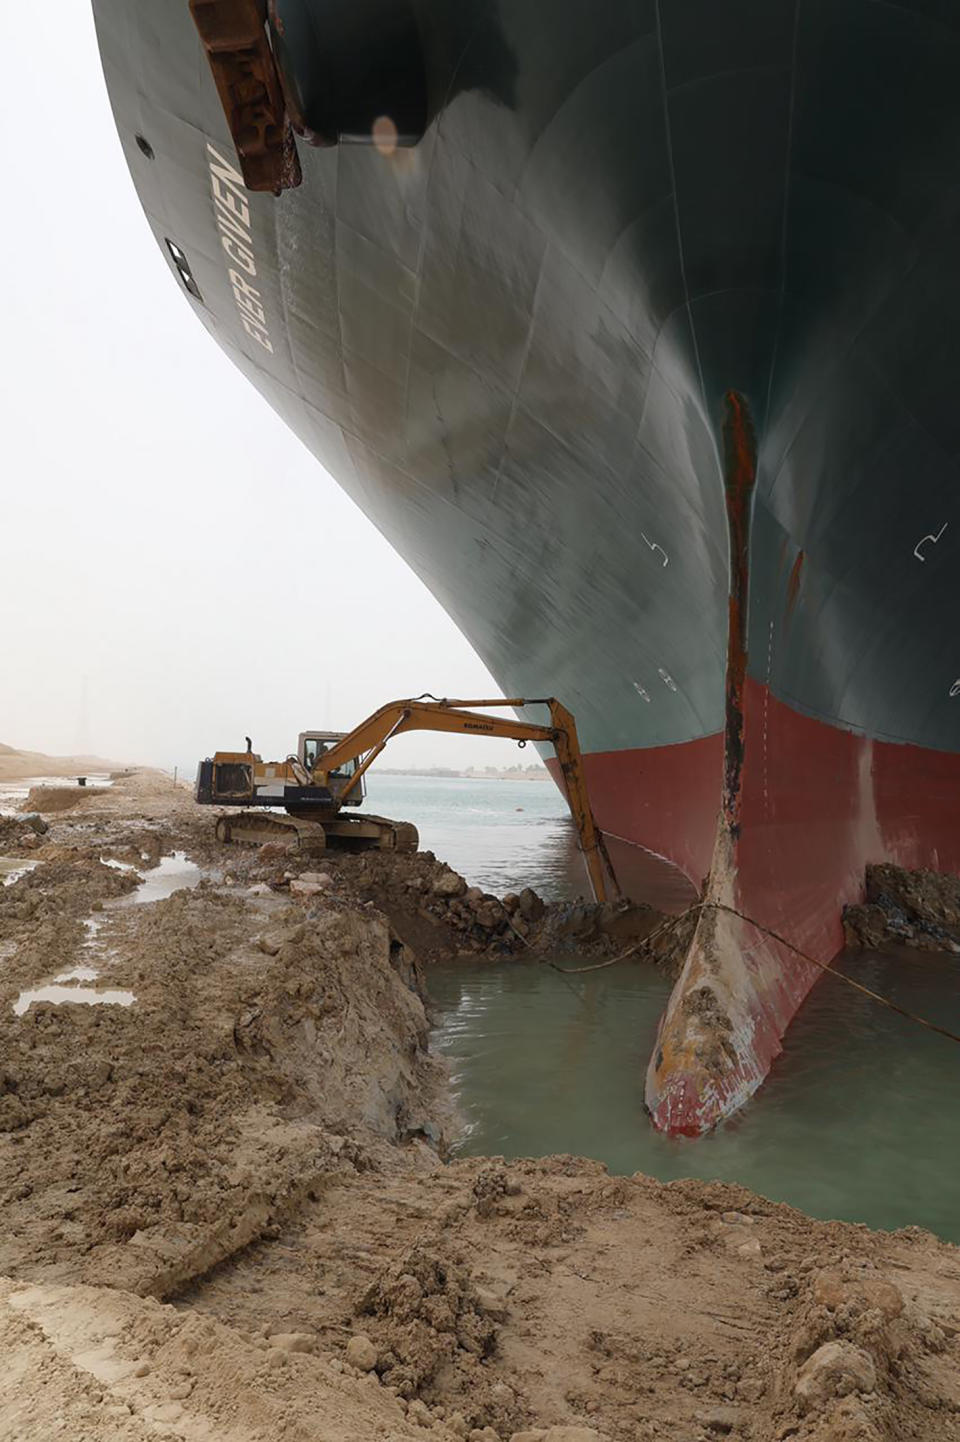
[
  {"x": 258, "y": 828},
  {"x": 406, "y": 837},
  {"x": 360, "y": 833}
]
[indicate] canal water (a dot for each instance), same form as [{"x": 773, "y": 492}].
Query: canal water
[{"x": 858, "y": 1121}]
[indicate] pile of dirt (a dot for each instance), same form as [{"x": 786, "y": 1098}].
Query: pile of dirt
[
  {"x": 60, "y": 798},
  {"x": 181, "y": 1127},
  {"x": 430, "y": 907},
  {"x": 102, "y": 1365},
  {"x": 920, "y": 909},
  {"x": 19, "y": 834},
  {"x": 439, "y": 916}
]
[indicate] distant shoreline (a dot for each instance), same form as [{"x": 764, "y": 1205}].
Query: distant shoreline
[{"x": 438, "y": 773}]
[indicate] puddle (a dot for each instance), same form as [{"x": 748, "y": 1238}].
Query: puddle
[
  {"x": 91, "y": 926},
  {"x": 13, "y": 867},
  {"x": 77, "y": 973},
  {"x": 172, "y": 873},
  {"x": 119, "y": 865},
  {"x": 86, "y": 995}
]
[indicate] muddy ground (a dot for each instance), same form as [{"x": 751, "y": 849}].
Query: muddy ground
[{"x": 228, "y": 1214}]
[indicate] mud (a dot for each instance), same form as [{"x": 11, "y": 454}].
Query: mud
[
  {"x": 61, "y": 798},
  {"x": 227, "y": 1212},
  {"x": 920, "y": 909}
]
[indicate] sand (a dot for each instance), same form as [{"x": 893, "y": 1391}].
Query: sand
[
  {"x": 16, "y": 764},
  {"x": 227, "y": 1212}
]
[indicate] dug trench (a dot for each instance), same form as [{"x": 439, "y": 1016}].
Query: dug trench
[{"x": 229, "y": 1210}]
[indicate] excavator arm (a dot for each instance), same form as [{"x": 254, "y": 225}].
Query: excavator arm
[{"x": 367, "y": 740}]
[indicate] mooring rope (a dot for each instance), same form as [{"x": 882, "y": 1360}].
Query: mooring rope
[
  {"x": 632, "y": 951},
  {"x": 701, "y": 906}
]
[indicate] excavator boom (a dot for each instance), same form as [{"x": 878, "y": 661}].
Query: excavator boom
[{"x": 367, "y": 740}]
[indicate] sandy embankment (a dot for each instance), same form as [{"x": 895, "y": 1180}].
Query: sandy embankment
[
  {"x": 15, "y": 765},
  {"x": 225, "y": 1216}
]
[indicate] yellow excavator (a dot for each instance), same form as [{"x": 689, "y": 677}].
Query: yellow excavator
[{"x": 327, "y": 774}]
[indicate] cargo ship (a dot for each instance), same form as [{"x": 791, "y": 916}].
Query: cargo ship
[{"x": 633, "y": 326}]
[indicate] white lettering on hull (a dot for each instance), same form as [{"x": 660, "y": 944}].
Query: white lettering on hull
[{"x": 233, "y": 221}]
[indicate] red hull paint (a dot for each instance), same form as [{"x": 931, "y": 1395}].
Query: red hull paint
[
  {"x": 818, "y": 804},
  {"x": 664, "y": 799}
]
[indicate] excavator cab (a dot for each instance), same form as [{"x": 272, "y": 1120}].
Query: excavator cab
[{"x": 312, "y": 747}]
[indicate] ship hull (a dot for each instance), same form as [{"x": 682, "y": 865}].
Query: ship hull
[
  {"x": 645, "y": 359},
  {"x": 819, "y": 803}
]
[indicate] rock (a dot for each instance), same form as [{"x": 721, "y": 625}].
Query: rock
[
  {"x": 270, "y": 943},
  {"x": 260, "y": 888},
  {"x": 881, "y": 1297},
  {"x": 751, "y": 1251},
  {"x": 36, "y": 823},
  {"x": 537, "y": 1434},
  {"x": 30, "y": 842},
  {"x": 511, "y": 901},
  {"x": 489, "y": 916},
  {"x": 572, "y": 1434},
  {"x": 848, "y": 1422},
  {"x": 484, "y": 1434},
  {"x": 491, "y": 1305},
  {"x": 163, "y": 1412},
  {"x": 529, "y": 904},
  {"x": 419, "y": 1413},
  {"x": 865, "y": 1294},
  {"x": 323, "y": 879},
  {"x": 299, "y": 887},
  {"x": 361, "y": 1353},
  {"x": 448, "y": 883},
  {"x": 834, "y": 1370},
  {"x": 473, "y": 896},
  {"x": 719, "y": 1419},
  {"x": 294, "y": 1341}
]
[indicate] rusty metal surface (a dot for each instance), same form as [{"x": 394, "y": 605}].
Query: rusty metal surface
[
  {"x": 245, "y": 75},
  {"x": 740, "y": 477},
  {"x": 705, "y": 1063}
]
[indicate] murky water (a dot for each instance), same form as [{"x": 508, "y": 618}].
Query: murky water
[
  {"x": 12, "y": 868},
  {"x": 504, "y": 835},
  {"x": 172, "y": 873},
  {"x": 858, "y": 1120},
  {"x": 484, "y": 829},
  {"x": 85, "y": 995}
]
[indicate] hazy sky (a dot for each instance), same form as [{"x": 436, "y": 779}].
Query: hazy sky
[{"x": 126, "y": 434}]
